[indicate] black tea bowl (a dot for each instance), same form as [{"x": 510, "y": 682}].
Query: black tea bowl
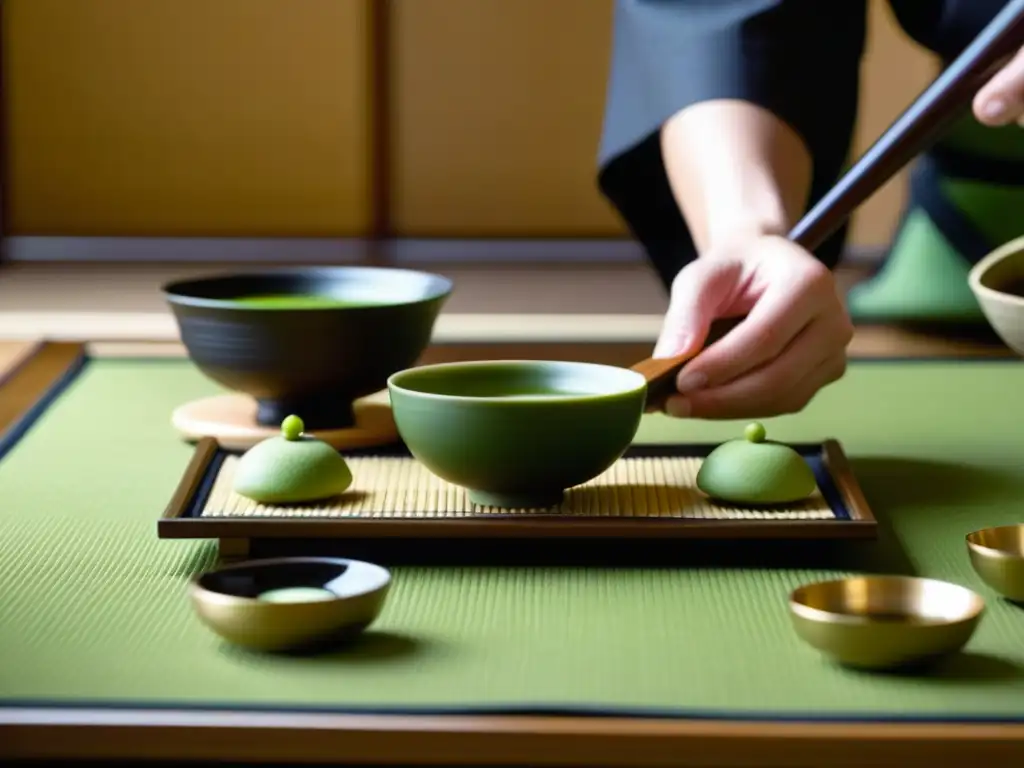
[{"x": 307, "y": 340}]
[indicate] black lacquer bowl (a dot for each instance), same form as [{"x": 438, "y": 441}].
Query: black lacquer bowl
[{"x": 314, "y": 358}]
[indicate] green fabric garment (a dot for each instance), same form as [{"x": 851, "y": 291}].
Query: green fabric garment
[
  {"x": 93, "y": 605},
  {"x": 924, "y": 277}
]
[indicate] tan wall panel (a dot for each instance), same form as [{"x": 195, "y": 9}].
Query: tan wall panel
[
  {"x": 895, "y": 71},
  {"x": 498, "y": 111},
  {"x": 498, "y": 107},
  {"x": 235, "y": 117}
]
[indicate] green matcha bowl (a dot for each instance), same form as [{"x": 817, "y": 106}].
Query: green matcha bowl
[{"x": 517, "y": 433}]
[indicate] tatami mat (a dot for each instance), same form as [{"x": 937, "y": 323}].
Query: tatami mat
[{"x": 96, "y": 606}]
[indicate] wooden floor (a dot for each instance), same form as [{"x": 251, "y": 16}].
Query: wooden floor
[
  {"x": 502, "y": 288},
  {"x": 533, "y": 288},
  {"x": 614, "y": 310}
]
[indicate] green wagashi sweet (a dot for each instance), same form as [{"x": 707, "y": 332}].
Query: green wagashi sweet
[
  {"x": 754, "y": 470},
  {"x": 291, "y": 468}
]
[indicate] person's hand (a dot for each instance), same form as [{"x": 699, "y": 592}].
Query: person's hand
[
  {"x": 791, "y": 343},
  {"x": 1001, "y": 100}
]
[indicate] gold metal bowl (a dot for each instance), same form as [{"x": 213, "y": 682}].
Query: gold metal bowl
[
  {"x": 997, "y": 555},
  {"x": 292, "y": 603},
  {"x": 885, "y": 622}
]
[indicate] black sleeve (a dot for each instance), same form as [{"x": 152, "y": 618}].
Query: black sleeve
[{"x": 798, "y": 58}]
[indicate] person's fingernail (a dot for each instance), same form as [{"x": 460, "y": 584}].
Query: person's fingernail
[
  {"x": 668, "y": 347},
  {"x": 677, "y": 407},
  {"x": 689, "y": 381},
  {"x": 994, "y": 109}
]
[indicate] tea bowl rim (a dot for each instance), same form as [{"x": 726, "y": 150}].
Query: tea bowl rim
[
  {"x": 174, "y": 291},
  {"x": 821, "y": 616},
  {"x": 213, "y": 596},
  {"x": 993, "y": 553},
  {"x": 639, "y": 386},
  {"x": 977, "y": 273}
]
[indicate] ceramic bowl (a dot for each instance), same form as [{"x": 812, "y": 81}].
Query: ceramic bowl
[
  {"x": 517, "y": 433},
  {"x": 997, "y": 555},
  {"x": 346, "y": 330},
  {"x": 292, "y": 603},
  {"x": 998, "y": 283},
  {"x": 885, "y": 622}
]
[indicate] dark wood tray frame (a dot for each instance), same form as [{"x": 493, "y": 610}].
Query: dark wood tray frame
[{"x": 180, "y": 519}]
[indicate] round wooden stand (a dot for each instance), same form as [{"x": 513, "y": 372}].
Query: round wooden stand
[{"x": 231, "y": 420}]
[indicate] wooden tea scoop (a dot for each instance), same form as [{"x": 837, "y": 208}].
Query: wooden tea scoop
[{"x": 946, "y": 100}]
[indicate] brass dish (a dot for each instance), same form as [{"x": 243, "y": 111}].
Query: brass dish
[
  {"x": 292, "y": 603},
  {"x": 997, "y": 555},
  {"x": 885, "y": 622}
]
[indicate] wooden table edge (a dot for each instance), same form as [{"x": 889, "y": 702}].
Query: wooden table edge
[
  {"x": 13, "y": 351},
  {"x": 36, "y": 374},
  {"x": 37, "y": 733}
]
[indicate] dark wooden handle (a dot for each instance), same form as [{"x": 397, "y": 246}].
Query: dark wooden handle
[
  {"x": 944, "y": 101},
  {"x": 660, "y": 373}
]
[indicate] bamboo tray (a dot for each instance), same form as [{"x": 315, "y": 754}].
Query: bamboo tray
[{"x": 648, "y": 494}]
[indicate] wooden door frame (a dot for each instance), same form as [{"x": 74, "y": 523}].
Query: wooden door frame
[{"x": 3, "y": 134}]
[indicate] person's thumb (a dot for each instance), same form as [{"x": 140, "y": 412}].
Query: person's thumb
[{"x": 700, "y": 293}]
